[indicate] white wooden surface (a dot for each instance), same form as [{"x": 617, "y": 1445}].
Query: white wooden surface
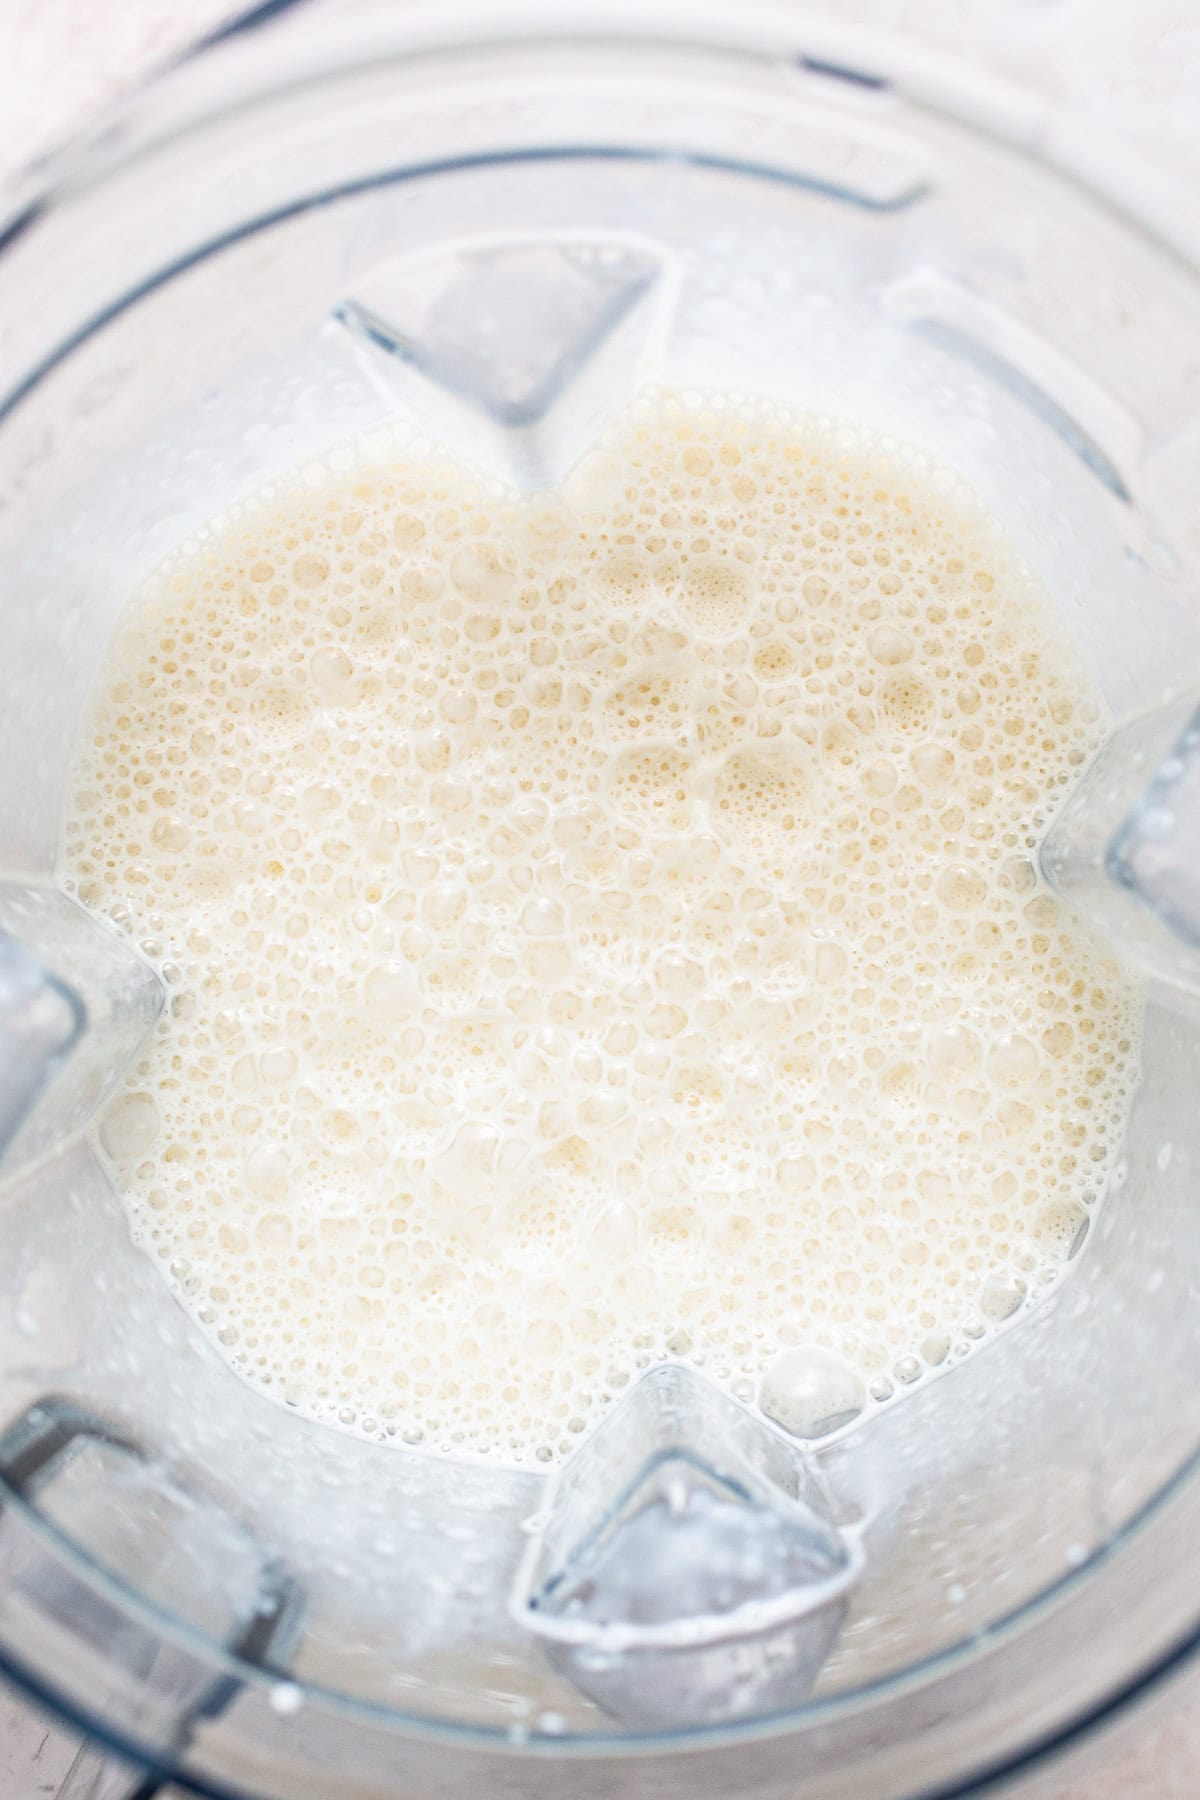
[{"x": 1135, "y": 65}]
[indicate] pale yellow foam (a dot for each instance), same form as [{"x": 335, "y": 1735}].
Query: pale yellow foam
[{"x": 600, "y": 928}]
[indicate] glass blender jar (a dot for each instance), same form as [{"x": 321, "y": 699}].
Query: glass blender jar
[{"x": 280, "y": 244}]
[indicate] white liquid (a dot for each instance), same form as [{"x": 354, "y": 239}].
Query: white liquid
[{"x": 601, "y": 928}]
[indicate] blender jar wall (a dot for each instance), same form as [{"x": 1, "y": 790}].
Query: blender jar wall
[{"x": 807, "y": 239}]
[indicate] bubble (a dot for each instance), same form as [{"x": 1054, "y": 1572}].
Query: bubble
[
  {"x": 549, "y": 962},
  {"x": 666, "y": 1021},
  {"x": 319, "y": 799},
  {"x": 278, "y": 1065},
  {"x": 960, "y": 888},
  {"x": 1063, "y": 1224},
  {"x": 130, "y": 1126},
  {"x": 542, "y": 918},
  {"x": 907, "y": 702},
  {"x": 933, "y": 765},
  {"x": 1058, "y": 1039},
  {"x": 763, "y": 798},
  {"x": 249, "y": 816},
  {"x": 273, "y": 1233},
  {"x": 679, "y": 976},
  {"x": 955, "y": 1052},
  {"x": 280, "y": 711},
  {"x": 616, "y": 1230},
  {"x": 714, "y": 596},
  {"x": 1015, "y": 1118},
  {"x": 331, "y": 671},
  {"x": 483, "y": 572},
  {"x": 652, "y": 787},
  {"x": 310, "y": 571},
  {"x": 467, "y": 1167},
  {"x": 774, "y": 661},
  {"x": 390, "y": 995},
  {"x": 419, "y": 866},
  {"x": 651, "y": 704},
  {"x": 170, "y": 834},
  {"x": 810, "y": 1392},
  {"x": 626, "y": 579},
  {"x": 267, "y": 1171},
  {"x": 888, "y": 646},
  {"x": 1000, "y": 1296},
  {"x": 879, "y": 779},
  {"x": 1012, "y": 1061},
  {"x": 830, "y": 962}
]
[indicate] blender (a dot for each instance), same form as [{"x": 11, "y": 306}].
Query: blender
[{"x": 495, "y": 225}]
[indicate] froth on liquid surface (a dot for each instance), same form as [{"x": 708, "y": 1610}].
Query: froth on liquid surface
[{"x": 600, "y": 927}]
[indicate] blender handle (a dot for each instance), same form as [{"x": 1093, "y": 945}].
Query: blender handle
[{"x": 33, "y": 1449}]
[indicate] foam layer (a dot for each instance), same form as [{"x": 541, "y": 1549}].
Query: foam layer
[{"x": 600, "y": 928}]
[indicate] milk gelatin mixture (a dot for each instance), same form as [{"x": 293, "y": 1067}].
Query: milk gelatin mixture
[{"x": 600, "y": 927}]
